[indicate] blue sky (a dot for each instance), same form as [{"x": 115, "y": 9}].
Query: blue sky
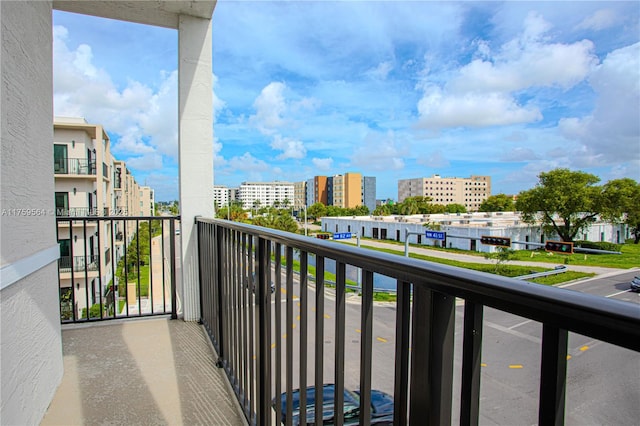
[{"x": 390, "y": 89}]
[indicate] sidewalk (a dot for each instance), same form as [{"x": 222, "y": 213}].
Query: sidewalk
[{"x": 141, "y": 372}]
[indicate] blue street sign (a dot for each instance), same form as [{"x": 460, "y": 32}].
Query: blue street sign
[
  {"x": 342, "y": 236},
  {"x": 435, "y": 235}
]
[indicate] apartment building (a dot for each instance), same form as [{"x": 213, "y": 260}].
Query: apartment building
[
  {"x": 261, "y": 194},
  {"x": 299, "y": 195},
  {"x": 89, "y": 182},
  {"x": 347, "y": 190},
  {"x": 469, "y": 192},
  {"x": 147, "y": 202}
]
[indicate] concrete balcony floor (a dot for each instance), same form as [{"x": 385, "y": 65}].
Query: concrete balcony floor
[{"x": 141, "y": 372}]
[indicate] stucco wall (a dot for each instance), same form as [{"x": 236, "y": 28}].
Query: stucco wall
[{"x": 30, "y": 342}]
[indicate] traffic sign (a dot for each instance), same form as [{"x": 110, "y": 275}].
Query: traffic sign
[
  {"x": 342, "y": 235},
  {"x": 436, "y": 235}
]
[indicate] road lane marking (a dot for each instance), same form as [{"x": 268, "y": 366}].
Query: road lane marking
[
  {"x": 381, "y": 339},
  {"x": 618, "y": 292},
  {"x": 516, "y": 366},
  {"x": 533, "y": 339},
  {"x": 584, "y": 348},
  {"x": 483, "y": 364},
  {"x": 568, "y": 357},
  {"x": 518, "y": 325},
  {"x": 358, "y": 330},
  {"x": 327, "y": 316}
]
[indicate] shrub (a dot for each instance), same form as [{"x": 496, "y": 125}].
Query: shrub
[{"x": 597, "y": 245}]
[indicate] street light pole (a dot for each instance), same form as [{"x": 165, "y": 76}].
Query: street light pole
[{"x": 305, "y": 220}]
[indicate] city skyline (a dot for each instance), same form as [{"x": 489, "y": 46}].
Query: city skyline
[{"x": 395, "y": 90}]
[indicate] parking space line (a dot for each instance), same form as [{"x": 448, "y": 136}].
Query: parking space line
[{"x": 516, "y": 366}]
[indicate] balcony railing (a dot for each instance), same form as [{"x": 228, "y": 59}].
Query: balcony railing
[
  {"x": 138, "y": 278},
  {"x": 79, "y": 263},
  {"x": 246, "y": 329},
  {"x": 74, "y": 166}
]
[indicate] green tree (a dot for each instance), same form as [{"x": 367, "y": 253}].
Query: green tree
[
  {"x": 317, "y": 210},
  {"x": 282, "y": 221},
  {"x": 502, "y": 255},
  {"x": 621, "y": 204},
  {"x": 382, "y": 210},
  {"x": 563, "y": 202},
  {"x": 498, "y": 203},
  {"x": 455, "y": 208}
]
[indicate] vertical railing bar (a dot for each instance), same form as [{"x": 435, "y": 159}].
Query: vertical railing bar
[
  {"x": 86, "y": 270},
  {"x": 289, "y": 334},
  {"x": 201, "y": 244},
  {"x": 366, "y": 346},
  {"x": 304, "y": 260},
  {"x": 442, "y": 354},
  {"x": 100, "y": 258},
  {"x": 220, "y": 323},
  {"x": 252, "y": 325},
  {"x": 73, "y": 285},
  {"x": 113, "y": 268},
  {"x": 319, "y": 349},
  {"x": 420, "y": 389},
  {"x": 126, "y": 269},
  {"x": 172, "y": 249},
  {"x": 339, "y": 346},
  {"x": 150, "y": 291},
  {"x": 233, "y": 289},
  {"x": 243, "y": 318},
  {"x": 139, "y": 295},
  {"x": 471, "y": 364},
  {"x": 401, "y": 376},
  {"x": 553, "y": 375},
  {"x": 278, "y": 331},
  {"x": 162, "y": 251},
  {"x": 264, "y": 370}
]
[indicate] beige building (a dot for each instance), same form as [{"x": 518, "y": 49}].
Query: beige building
[
  {"x": 469, "y": 192},
  {"x": 347, "y": 190},
  {"x": 89, "y": 182},
  {"x": 147, "y": 201}
]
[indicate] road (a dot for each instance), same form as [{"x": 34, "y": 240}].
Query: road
[{"x": 603, "y": 381}]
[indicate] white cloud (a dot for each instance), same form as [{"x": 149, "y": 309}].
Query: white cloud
[
  {"x": 322, "y": 164},
  {"x": 379, "y": 152},
  {"x": 483, "y": 92},
  {"x": 472, "y": 110},
  {"x": 144, "y": 118},
  {"x": 519, "y": 154},
  {"x": 434, "y": 160},
  {"x": 600, "y": 20},
  {"x": 612, "y": 131},
  {"x": 150, "y": 161},
  {"x": 270, "y": 106},
  {"x": 381, "y": 72},
  {"x": 290, "y": 148}
]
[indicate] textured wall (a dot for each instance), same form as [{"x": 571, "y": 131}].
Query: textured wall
[{"x": 30, "y": 344}]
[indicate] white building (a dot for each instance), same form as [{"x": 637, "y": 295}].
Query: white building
[
  {"x": 261, "y": 194},
  {"x": 469, "y": 192},
  {"x": 222, "y": 195},
  {"x": 463, "y": 231}
]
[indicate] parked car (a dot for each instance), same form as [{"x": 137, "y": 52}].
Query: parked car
[
  {"x": 381, "y": 406},
  {"x": 635, "y": 284}
]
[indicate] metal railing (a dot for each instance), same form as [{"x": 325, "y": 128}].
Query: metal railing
[
  {"x": 79, "y": 263},
  {"x": 138, "y": 278},
  {"x": 244, "y": 326},
  {"x": 74, "y": 166}
]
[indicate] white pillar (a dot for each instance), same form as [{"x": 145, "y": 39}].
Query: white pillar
[{"x": 195, "y": 115}]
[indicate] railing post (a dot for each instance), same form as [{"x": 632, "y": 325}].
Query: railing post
[
  {"x": 217, "y": 235},
  {"x": 553, "y": 375},
  {"x": 471, "y": 360},
  {"x": 432, "y": 346},
  {"x": 172, "y": 250},
  {"x": 264, "y": 327}
]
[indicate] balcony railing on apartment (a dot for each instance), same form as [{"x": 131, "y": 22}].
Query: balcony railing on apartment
[
  {"x": 79, "y": 263},
  {"x": 245, "y": 327},
  {"x": 74, "y": 166},
  {"x": 137, "y": 279}
]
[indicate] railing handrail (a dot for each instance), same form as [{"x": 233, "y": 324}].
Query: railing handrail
[{"x": 604, "y": 319}]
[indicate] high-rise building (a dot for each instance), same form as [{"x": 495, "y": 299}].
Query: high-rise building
[
  {"x": 349, "y": 190},
  {"x": 369, "y": 192},
  {"x": 469, "y": 192}
]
